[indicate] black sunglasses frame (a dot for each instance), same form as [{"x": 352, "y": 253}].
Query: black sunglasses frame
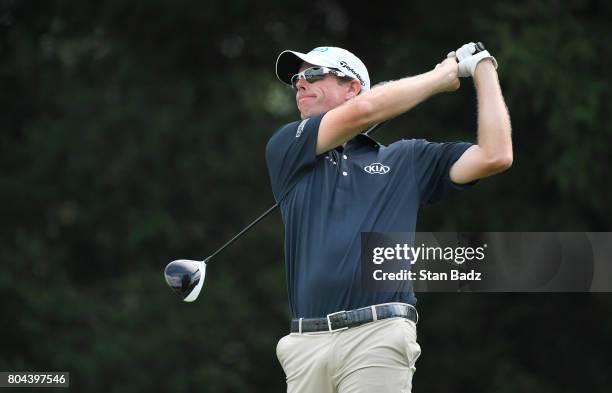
[{"x": 314, "y": 74}]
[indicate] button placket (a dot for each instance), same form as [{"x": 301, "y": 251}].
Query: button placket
[
  {"x": 344, "y": 165},
  {"x": 332, "y": 158}
]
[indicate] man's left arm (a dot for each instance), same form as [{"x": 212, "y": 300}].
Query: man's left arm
[{"x": 493, "y": 153}]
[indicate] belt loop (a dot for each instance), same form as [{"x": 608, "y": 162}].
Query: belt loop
[
  {"x": 300, "y": 325},
  {"x": 374, "y": 315},
  {"x": 416, "y": 312}
]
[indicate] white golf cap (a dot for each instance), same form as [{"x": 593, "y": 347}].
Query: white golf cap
[{"x": 289, "y": 62}]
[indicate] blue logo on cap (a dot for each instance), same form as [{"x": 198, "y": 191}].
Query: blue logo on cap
[{"x": 320, "y": 49}]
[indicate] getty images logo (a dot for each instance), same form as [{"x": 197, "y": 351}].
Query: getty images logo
[{"x": 377, "y": 168}]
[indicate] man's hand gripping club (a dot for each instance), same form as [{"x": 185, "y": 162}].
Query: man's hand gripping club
[{"x": 469, "y": 55}]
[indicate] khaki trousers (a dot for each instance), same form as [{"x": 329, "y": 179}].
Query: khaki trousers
[{"x": 376, "y": 357}]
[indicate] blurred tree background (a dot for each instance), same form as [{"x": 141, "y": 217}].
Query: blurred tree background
[{"x": 133, "y": 133}]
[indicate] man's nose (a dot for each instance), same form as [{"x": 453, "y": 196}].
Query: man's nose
[{"x": 301, "y": 83}]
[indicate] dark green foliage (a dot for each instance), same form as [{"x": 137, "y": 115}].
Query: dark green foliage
[{"x": 133, "y": 133}]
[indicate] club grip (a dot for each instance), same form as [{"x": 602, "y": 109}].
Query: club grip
[{"x": 479, "y": 48}]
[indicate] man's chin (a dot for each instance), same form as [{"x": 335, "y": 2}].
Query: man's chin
[{"x": 309, "y": 113}]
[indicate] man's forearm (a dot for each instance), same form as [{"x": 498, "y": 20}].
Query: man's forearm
[
  {"x": 494, "y": 130},
  {"x": 394, "y": 98},
  {"x": 493, "y": 154},
  {"x": 382, "y": 103}
]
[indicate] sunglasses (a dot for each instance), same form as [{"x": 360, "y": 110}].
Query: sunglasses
[{"x": 314, "y": 74}]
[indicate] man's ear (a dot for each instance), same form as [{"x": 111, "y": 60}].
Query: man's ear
[{"x": 354, "y": 89}]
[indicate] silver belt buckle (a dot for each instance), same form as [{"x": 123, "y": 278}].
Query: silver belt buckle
[{"x": 329, "y": 325}]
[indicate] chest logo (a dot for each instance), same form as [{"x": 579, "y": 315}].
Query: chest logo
[{"x": 377, "y": 168}]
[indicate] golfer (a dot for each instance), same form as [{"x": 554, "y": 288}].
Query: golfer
[{"x": 333, "y": 182}]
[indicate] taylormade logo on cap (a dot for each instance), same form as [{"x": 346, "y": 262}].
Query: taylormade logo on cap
[
  {"x": 344, "y": 61},
  {"x": 348, "y": 68},
  {"x": 289, "y": 62}
]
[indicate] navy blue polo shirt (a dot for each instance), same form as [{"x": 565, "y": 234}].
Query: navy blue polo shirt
[{"x": 326, "y": 201}]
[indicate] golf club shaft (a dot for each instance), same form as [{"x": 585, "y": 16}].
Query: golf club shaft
[
  {"x": 374, "y": 127},
  {"x": 242, "y": 232}
]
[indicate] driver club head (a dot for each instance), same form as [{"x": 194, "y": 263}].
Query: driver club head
[{"x": 186, "y": 278}]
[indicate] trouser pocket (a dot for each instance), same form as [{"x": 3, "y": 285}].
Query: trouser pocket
[
  {"x": 281, "y": 350},
  {"x": 412, "y": 348}
]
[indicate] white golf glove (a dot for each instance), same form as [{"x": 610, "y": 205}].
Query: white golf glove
[{"x": 468, "y": 58}]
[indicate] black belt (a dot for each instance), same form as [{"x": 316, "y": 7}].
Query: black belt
[{"x": 345, "y": 319}]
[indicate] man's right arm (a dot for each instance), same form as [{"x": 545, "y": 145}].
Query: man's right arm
[{"x": 382, "y": 103}]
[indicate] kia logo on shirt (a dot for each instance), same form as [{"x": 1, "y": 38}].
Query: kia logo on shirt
[{"x": 377, "y": 168}]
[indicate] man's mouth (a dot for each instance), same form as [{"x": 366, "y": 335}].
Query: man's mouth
[{"x": 303, "y": 98}]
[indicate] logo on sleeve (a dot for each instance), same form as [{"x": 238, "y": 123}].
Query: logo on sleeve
[
  {"x": 301, "y": 128},
  {"x": 377, "y": 168}
]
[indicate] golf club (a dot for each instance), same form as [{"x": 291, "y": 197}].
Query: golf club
[
  {"x": 186, "y": 277},
  {"x": 479, "y": 48}
]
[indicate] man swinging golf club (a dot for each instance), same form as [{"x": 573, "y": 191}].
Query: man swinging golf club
[{"x": 332, "y": 183}]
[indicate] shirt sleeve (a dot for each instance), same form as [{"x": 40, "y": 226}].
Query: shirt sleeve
[
  {"x": 291, "y": 152},
  {"x": 432, "y": 163}
]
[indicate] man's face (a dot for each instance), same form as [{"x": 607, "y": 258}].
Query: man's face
[{"x": 323, "y": 95}]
